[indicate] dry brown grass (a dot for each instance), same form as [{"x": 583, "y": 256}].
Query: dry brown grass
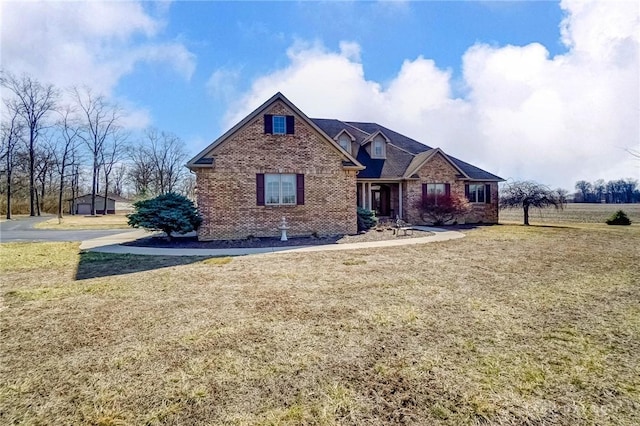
[
  {"x": 511, "y": 325},
  {"x": 110, "y": 221}
]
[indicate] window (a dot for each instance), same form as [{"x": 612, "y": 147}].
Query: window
[
  {"x": 435, "y": 188},
  {"x": 345, "y": 143},
  {"x": 279, "y": 125},
  {"x": 378, "y": 148},
  {"x": 478, "y": 192},
  {"x": 432, "y": 191},
  {"x": 279, "y": 189}
]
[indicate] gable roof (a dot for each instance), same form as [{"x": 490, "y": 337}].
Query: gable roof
[
  {"x": 201, "y": 159},
  {"x": 404, "y": 155},
  {"x": 420, "y": 159}
]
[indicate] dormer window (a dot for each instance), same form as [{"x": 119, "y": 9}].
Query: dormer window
[
  {"x": 345, "y": 143},
  {"x": 378, "y": 148}
]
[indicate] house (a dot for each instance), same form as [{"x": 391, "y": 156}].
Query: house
[
  {"x": 115, "y": 204},
  {"x": 277, "y": 162}
]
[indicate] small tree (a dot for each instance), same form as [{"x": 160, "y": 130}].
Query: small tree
[
  {"x": 619, "y": 218},
  {"x": 442, "y": 208},
  {"x": 169, "y": 213},
  {"x": 366, "y": 219},
  {"x": 527, "y": 194}
]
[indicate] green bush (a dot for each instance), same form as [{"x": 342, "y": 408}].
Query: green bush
[
  {"x": 170, "y": 213},
  {"x": 619, "y": 218},
  {"x": 366, "y": 219}
]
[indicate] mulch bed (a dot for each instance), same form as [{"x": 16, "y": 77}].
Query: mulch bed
[{"x": 192, "y": 242}]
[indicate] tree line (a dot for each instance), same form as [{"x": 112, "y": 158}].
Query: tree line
[
  {"x": 57, "y": 144},
  {"x": 613, "y": 191}
]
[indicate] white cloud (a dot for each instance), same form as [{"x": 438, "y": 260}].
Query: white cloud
[
  {"x": 90, "y": 44},
  {"x": 525, "y": 115},
  {"x": 223, "y": 82}
]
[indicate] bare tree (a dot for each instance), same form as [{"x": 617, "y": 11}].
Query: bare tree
[
  {"x": 141, "y": 171},
  {"x": 75, "y": 179},
  {"x": 69, "y": 130},
  {"x": 34, "y": 102},
  {"x": 188, "y": 186},
  {"x": 119, "y": 179},
  {"x": 527, "y": 194},
  {"x": 100, "y": 121},
  {"x": 586, "y": 190},
  {"x": 112, "y": 152},
  {"x": 169, "y": 155},
  {"x": 12, "y": 132},
  {"x": 43, "y": 167}
]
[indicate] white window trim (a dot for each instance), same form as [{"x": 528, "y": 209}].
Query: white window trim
[
  {"x": 475, "y": 193},
  {"x": 436, "y": 193},
  {"x": 266, "y": 188},
  {"x": 383, "y": 146},
  {"x": 347, "y": 141},
  {"x": 284, "y": 126}
]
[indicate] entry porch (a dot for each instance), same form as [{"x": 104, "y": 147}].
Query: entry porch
[{"x": 385, "y": 198}]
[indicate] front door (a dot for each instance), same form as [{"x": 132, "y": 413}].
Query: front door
[{"x": 381, "y": 200}]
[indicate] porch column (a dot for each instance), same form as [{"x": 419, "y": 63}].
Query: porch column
[
  {"x": 369, "y": 195},
  {"x": 362, "y": 204},
  {"x": 400, "y": 200}
]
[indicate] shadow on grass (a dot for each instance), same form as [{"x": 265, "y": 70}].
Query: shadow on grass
[{"x": 95, "y": 265}]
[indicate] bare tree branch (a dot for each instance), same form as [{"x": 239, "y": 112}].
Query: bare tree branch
[
  {"x": 34, "y": 101},
  {"x": 100, "y": 121}
]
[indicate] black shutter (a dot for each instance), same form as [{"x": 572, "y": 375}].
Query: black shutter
[
  {"x": 447, "y": 189},
  {"x": 299, "y": 189},
  {"x": 260, "y": 189},
  {"x": 487, "y": 193},
  {"x": 466, "y": 191},
  {"x": 268, "y": 124},
  {"x": 424, "y": 193},
  {"x": 290, "y": 125}
]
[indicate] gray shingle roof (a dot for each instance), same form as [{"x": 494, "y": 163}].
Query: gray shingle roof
[{"x": 401, "y": 150}]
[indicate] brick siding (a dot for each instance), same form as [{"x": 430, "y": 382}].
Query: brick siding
[
  {"x": 226, "y": 193},
  {"x": 439, "y": 170}
]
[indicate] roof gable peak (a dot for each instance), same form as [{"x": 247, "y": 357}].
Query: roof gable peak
[{"x": 278, "y": 96}]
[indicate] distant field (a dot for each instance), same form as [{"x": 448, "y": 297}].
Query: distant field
[
  {"x": 574, "y": 213},
  {"x": 110, "y": 221}
]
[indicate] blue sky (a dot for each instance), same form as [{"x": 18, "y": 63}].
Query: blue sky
[
  {"x": 528, "y": 90},
  {"x": 252, "y": 38}
]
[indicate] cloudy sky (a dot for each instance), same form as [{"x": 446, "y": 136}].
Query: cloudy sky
[{"x": 527, "y": 90}]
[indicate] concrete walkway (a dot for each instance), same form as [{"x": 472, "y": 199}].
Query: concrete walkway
[{"x": 112, "y": 244}]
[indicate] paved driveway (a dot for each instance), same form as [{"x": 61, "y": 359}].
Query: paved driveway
[{"x": 21, "y": 229}]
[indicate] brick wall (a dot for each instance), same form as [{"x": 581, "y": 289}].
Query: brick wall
[
  {"x": 439, "y": 170},
  {"x": 226, "y": 193}
]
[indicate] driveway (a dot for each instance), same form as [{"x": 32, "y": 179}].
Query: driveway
[{"x": 21, "y": 230}]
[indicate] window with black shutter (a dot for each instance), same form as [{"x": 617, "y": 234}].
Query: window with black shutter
[
  {"x": 274, "y": 189},
  {"x": 279, "y": 124}
]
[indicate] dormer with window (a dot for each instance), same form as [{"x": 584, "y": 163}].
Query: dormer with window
[
  {"x": 345, "y": 139},
  {"x": 378, "y": 148}
]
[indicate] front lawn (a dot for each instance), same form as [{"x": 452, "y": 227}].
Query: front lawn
[{"x": 510, "y": 325}]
